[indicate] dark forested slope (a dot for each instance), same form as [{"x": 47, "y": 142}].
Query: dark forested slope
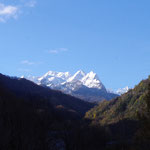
[
  {"x": 25, "y": 89},
  {"x": 37, "y": 118}
]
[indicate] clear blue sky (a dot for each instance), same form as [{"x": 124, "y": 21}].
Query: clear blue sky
[{"x": 110, "y": 37}]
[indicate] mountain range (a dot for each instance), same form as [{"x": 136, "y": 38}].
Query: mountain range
[
  {"x": 86, "y": 86},
  {"x": 42, "y": 118},
  {"x": 38, "y": 118}
]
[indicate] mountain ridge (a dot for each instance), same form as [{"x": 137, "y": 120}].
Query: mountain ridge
[
  {"x": 124, "y": 107},
  {"x": 24, "y": 88},
  {"x": 77, "y": 85}
]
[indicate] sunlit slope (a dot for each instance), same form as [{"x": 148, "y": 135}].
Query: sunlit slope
[{"x": 124, "y": 107}]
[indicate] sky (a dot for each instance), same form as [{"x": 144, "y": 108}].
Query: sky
[{"x": 109, "y": 37}]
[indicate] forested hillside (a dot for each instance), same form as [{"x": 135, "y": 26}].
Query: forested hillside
[
  {"x": 126, "y": 118},
  {"x": 37, "y": 118},
  {"x": 24, "y": 89},
  {"x": 124, "y": 107}
]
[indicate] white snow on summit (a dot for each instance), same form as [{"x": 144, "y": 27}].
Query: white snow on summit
[
  {"x": 77, "y": 76},
  {"x": 83, "y": 85},
  {"x": 55, "y": 79},
  {"x": 62, "y": 75},
  {"x": 66, "y": 82},
  {"x": 91, "y": 80},
  {"x": 31, "y": 78},
  {"x": 123, "y": 90},
  {"x": 119, "y": 91}
]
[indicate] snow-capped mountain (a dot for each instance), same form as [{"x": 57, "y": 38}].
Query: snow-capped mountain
[
  {"x": 122, "y": 91},
  {"x": 61, "y": 75},
  {"x": 91, "y": 80},
  {"x": 77, "y": 76},
  {"x": 53, "y": 79},
  {"x": 83, "y": 85},
  {"x": 31, "y": 78}
]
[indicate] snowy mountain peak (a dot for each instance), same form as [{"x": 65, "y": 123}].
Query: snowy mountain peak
[
  {"x": 50, "y": 73},
  {"x": 80, "y": 73},
  {"x": 82, "y": 85},
  {"x": 93, "y": 75},
  {"x": 77, "y": 76},
  {"x": 91, "y": 80},
  {"x": 63, "y": 75},
  {"x": 56, "y": 80},
  {"x": 22, "y": 77},
  {"x": 53, "y": 74},
  {"x": 120, "y": 91},
  {"x": 123, "y": 90}
]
